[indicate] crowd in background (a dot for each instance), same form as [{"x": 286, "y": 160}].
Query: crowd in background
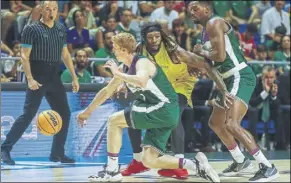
[{"x": 262, "y": 27}]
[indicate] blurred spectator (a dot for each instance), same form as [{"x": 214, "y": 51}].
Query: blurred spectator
[
  {"x": 221, "y": 8},
  {"x": 125, "y": 20},
  {"x": 242, "y": 11},
  {"x": 179, "y": 6},
  {"x": 180, "y": 35},
  {"x": 260, "y": 56},
  {"x": 110, "y": 9},
  {"x": 63, "y": 6},
  {"x": 105, "y": 52},
  {"x": 131, "y": 5},
  {"x": 264, "y": 102},
  {"x": 146, "y": 8},
  {"x": 13, "y": 69},
  {"x": 6, "y": 49},
  {"x": 248, "y": 42},
  {"x": 110, "y": 25},
  {"x": 284, "y": 96},
  {"x": 283, "y": 54},
  {"x": 165, "y": 12},
  {"x": 85, "y": 7},
  {"x": 272, "y": 45},
  {"x": 14, "y": 11},
  {"x": 262, "y": 6},
  {"x": 272, "y": 19},
  {"x": 81, "y": 58},
  {"x": 78, "y": 35},
  {"x": 203, "y": 96}
]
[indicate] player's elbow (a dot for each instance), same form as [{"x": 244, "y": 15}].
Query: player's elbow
[{"x": 220, "y": 57}]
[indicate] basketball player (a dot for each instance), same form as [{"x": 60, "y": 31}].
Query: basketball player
[
  {"x": 156, "y": 45},
  {"x": 224, "y": 50},
  {"x": 43, "y": 47},
  {"x": 154, "y": 109}
]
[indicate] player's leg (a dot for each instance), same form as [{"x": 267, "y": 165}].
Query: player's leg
[
  {"x": 177, "y": 143},
  {"x": 217, "y": 123},
  {"x": 32, "y": 101},
  {"x": 267, "y": 170},
  {"x": 57, "y": 99},
  {"x": 135, "y": 166},
  {"x": 111, "y": 172},
  {"x": 153, "y": 156}
]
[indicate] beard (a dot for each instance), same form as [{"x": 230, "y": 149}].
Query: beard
[{"x": 82, "y": 65}]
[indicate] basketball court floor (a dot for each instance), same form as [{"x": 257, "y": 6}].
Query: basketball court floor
[{"x": 42, "y": 170}]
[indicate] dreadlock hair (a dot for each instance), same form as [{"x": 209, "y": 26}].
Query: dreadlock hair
[{"x": 170, "y": 44}]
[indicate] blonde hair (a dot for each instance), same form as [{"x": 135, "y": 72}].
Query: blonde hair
[{"x": 125, "y": 40}]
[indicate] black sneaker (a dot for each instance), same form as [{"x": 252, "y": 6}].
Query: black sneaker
[
  {"x": 64, "y": 159},
  {"x": 106, "y": 176},
  {"x": 265, "y": 174},
  {"x": 204, "y": 169},
  {"x": 6, "y": 158},
  {"x": 236, "y": 168}
]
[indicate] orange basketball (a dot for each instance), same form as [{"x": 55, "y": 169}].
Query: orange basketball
[{"x": 49, "y": 122}]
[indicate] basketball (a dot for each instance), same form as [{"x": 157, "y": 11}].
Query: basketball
[{"x": 49, "y": 122}]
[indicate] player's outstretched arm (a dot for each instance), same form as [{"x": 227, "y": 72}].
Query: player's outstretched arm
[{"x": 98, "y": 100}]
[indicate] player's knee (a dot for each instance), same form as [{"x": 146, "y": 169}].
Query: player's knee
[
  {"x": 112, "y": 120},
  {"x": 232, "y": 127}
]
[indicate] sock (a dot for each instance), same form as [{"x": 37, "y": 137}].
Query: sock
[
  {"x": 260, "y": 157},
  {"x": 187, "y": 164},
  {"x": 112, "y": 162},
  {"x": 236, "y": 153},
  {"x": 179, "y": 155},
  {"x": 137, "y": 156}
]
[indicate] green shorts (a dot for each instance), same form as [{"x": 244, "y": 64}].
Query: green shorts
[
  {"x": 240, "y": 85},
  {"x": 159, "y": 120}
]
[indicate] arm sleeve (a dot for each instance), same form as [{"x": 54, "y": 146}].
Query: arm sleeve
[{"x": 27, "y": 37}]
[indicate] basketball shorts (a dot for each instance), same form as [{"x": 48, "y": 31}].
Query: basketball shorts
[
  {"x": 240, "y": 85},
  {"x": 159, "y": 121}
]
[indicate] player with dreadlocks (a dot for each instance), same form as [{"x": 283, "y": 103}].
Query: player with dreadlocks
[{"x": 160, "y": 48}]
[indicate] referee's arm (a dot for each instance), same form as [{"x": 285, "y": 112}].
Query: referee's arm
[{"x": 69, "y": 64}]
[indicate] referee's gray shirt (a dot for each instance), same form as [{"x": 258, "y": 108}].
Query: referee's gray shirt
[{"x": 46, "y": 43}]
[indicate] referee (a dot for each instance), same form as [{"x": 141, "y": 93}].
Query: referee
[{"x": 43, "y": 46}]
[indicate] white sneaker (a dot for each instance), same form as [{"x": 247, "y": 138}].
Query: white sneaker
[
  {"x": 107, "y": 176},
  {"x": 204, "y": 169}
]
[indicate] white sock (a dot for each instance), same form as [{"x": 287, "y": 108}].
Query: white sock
[
  {"x": 112, "y": 163},
  {"x": 137, "y": 156},
  {"x": 179, "y": 155},
  {"x": 237, "y": 155},
  {"x": 260, "y": 158},
  {"x": 188, "y": 164}
]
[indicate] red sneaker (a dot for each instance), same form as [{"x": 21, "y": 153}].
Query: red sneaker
[
  {"x": 176, "y": 173},
  {"x": 133, "y": 168}
]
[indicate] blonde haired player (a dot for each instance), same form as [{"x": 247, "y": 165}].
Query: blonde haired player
[{"x": 154, "y": 109}]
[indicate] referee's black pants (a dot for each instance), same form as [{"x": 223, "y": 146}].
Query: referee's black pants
[
  {"x": 55, "y": 94},
  {"x": 177, "y": 136}
]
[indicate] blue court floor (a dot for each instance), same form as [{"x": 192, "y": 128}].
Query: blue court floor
[{"x": 42, "y": 170}]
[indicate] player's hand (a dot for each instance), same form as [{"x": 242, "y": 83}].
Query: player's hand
[
  {"x": 197, "y": 49},
  {"x": 194, "y": 71},
  {"x": 75, "y": 86},
  {"x": 227, "y": 100},
  {"x": 33, "y": 84},
  {"x": 110, "y": 64},
  {"x": 82, "y": 118},
  {"x": 121, "y": 89}
]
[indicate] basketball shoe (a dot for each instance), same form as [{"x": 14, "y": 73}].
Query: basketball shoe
[
  {"x": 107, "y": 176},
  {"x": 265, "y": 174},
  {"x": 204, "y": 169},
  {"x": 133, "y": 168},
  {"x": 175, "y": 173}
]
